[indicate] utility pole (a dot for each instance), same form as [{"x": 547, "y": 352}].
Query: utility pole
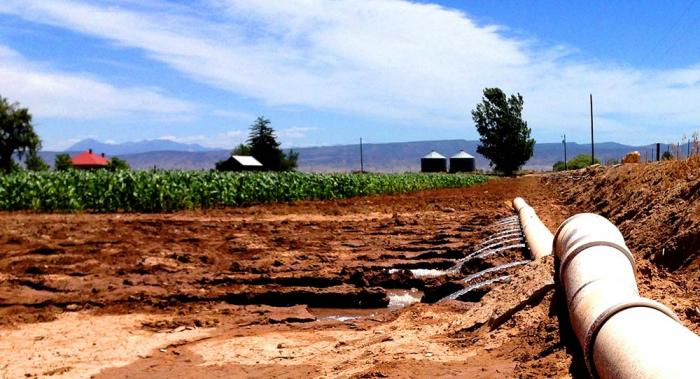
[
  {"x": 564, "y": 142},
  {"x": 362, "y": 163},
  {"x": 592, "y": 143}
]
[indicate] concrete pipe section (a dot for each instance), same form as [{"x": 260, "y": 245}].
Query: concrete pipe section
[
  {"x": 538, "y": 237},
  {"x": 622, "y": 334}
]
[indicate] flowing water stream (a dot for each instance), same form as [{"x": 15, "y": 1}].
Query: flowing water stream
[{"x": 456, "y": 295}]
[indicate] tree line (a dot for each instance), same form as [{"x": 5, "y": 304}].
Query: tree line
[
  {"x": 504, "y": 139},
  {"x": 18, "y": 139}
]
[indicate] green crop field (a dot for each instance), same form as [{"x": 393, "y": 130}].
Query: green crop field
[{"x": 157, "y": 191}]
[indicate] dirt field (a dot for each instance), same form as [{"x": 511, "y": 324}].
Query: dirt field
[{"x": 297, "y": 290}]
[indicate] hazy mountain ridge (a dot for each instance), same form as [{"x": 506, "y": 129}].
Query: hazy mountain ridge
[
  {"x": 137, "y": 147},
  {"x": 378, "y": 157}
]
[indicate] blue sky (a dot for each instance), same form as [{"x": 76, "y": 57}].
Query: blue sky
[{"x": 330, "y": 72}]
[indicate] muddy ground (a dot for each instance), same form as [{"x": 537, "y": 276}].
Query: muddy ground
[{"x": 295, "y": 290}]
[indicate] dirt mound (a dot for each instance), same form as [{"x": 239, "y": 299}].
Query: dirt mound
[{"x": 656, "y": 207}]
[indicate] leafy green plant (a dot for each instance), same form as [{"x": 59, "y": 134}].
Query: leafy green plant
[
  {"x": 580, "y": 161},
  {"x": 559, "y": 166},
  {"x": 158, "y": 191}
]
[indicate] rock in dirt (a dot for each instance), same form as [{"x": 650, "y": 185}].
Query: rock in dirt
[
  {"x": 632, "y": 157},
  {"x": 297, "y": 313}
]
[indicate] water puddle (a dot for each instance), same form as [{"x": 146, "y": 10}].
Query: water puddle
[
  {"x": 422, "y": 272},
  {"x": 400, "y": 298},
  {"x": 344, "y": 314}
]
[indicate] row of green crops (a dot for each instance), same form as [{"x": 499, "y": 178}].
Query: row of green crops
[{"x": 155, "y": 191}]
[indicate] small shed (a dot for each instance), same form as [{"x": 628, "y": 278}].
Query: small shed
[
  {"x": 240, "y": 163},
  {"x": 89, "y": 160},
  {"x": 462, "y": 162},
  {"x": 433, "y": 162}
]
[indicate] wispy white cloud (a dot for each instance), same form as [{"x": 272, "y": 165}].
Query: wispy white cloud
[
  {"x": 397, "y": 60},
  {"x": 291, "y": 136},
  {"x": 53, "y": 93},
  {"x": 295, "y": 132},
  {"x": 234, "y": 115},
  {"x": 223, "y": 140}
]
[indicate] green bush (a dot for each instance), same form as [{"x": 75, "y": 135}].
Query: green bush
[
  {"x": 157, "y": 191},
  {"x": 559, "y": 166},
  {"x": 579, "y": 161}
]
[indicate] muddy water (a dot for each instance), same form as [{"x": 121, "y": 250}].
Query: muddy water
[
  {"x": 345, "y": 314},
  {"x": 398, "y": 298},
  {"x": 422, "y": 272}
]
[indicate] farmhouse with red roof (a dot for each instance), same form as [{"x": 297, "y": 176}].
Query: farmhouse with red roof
[{"x": 88, "y": 160}]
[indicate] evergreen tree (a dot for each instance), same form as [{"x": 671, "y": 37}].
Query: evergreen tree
[
  {"x": 505, "y": 137},
  {"x": 264, "y": 146}
]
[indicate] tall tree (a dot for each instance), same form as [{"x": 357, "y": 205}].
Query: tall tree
[
  {"x": 17, "y": 134},
  {"x": 505, "y": 136},
  {"x": 263, "y": 144},
  {"x": 62, "y": 162}
]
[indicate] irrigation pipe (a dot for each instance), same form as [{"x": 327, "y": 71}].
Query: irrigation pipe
[
  {"x": 538, "y": 237},
  {"x": 622, "y": 334}
]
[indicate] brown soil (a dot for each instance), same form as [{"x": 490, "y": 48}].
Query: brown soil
[{"x": 233, "y": 293}]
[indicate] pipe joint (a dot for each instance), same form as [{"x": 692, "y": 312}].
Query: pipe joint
[
  {"x": 607, "y": 314},
  {"x": 622, "y": 334},
  {"x": 579, "y": 247}
]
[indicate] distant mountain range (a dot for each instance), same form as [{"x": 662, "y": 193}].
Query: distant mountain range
[
  {"x": 378, "y": 157},
  {"x": 138, "y": 147}
]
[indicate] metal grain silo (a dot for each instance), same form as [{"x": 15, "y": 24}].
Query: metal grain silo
[
  {"x": 433, "y": 162},
  {"x": 462, "y": 162}
]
